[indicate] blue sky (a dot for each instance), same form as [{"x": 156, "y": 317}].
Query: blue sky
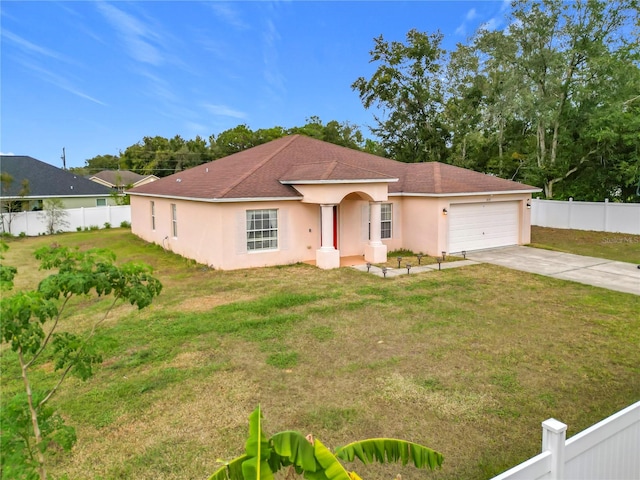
[{"x": 96, "y": 77}]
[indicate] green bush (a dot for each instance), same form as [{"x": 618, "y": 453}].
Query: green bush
[{"x": 125, "y": 224}]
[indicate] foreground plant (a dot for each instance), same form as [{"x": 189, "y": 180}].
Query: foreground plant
[
  {"x": 309, "y": 457},
  {"x": 28, "y": 424}
]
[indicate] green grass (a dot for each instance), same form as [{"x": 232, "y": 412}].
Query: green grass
[
  {"x": 467, "y": 361},
  {"x": 622, "y": 247}
]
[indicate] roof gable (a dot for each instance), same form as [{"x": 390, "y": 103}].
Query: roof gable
[
  {"x": 45, "y": 180},
  {"x": 269, "y": 170}
]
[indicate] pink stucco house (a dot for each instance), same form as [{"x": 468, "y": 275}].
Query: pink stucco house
[{"x": 298, "y": 199}]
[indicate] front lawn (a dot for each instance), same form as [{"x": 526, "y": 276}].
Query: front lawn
[{"x": 467, "y": 361}]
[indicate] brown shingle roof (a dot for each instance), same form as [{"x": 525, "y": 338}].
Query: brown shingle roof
[{"x": 259, "y": 172}]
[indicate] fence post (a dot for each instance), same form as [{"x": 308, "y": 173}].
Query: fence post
[
  {"x": 554, "y": 434},
  {"x": 569, "y": 212},
  {"x": 606, "y": 212}
]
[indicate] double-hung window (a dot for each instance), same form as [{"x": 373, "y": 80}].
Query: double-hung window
[
  {"x": 262, "y": 229},
  {"x": 153, "y": 215},
  {"x": 174, "y": 220},
  {"x": 386, "y": 220}
]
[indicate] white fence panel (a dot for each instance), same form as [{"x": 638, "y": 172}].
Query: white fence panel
[
  {"x": 607, "y": 450},
  {"x": 34, "y": 223},
  {"x": 599, "y": 216}
]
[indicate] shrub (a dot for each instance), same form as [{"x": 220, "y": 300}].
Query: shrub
[
  {"x": 107, "y": 225},
  {"x": 125, "y": 224}
]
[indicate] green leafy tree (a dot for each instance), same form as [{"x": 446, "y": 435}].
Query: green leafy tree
[
  {"x": 54, "y": 215},
  {"x": 309, "y": 457},
  {"x": 9, "y": 207},
  {"x": 408, "y": 92},
  {"x": 29, "y": 424},
  {"x": 558, "y": 65}
]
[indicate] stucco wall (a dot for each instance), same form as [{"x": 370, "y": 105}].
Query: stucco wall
[{"x": 214, "y": 233}]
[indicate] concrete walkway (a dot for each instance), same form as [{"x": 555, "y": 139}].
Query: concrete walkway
[
  {"x": 395, "y": 272},
  {"x": 619, "y": 276}
]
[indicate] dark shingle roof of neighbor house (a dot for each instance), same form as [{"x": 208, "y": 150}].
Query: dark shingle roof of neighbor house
[
  {"x": 45, "y": 180},
  {"x": 266, "y": 171},
  {"x": 119, "y": 177}
]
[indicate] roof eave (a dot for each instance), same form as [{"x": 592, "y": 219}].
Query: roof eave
[
  {"x": 463, "y": 194},
  {"x": 218, "y": 200}
]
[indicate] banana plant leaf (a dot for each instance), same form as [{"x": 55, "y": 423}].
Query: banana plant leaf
[
  {"x": 230, "y": 471},
  {"x": 257, "y": 450},
  {"x": 384, "y": 450},
  {"x": 292, "y": 448},
  {"x": 330, "y": 467}
]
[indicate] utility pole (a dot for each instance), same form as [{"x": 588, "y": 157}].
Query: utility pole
[{"x": 64, "y": 160}]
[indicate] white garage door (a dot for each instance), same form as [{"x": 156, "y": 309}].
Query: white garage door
[{"x": 474, "y": 226}]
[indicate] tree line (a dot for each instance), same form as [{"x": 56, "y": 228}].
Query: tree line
[
  {"x": 161, "y": 156},
  {"x": 552, "y": 100}
]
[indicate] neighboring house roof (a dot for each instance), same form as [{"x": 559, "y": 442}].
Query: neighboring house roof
[
  {"x": 269, "y": 170},
  {"x": 45, "y": 180},
  {"x": 120, "y": 178}
]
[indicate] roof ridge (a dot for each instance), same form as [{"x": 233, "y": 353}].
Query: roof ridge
[
  {"x": 258, "y": 166},
  {"x": 437, "y": 184},
  {"x": 331, "y": 168}
]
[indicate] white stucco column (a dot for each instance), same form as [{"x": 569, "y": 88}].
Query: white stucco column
[
  {"x": 327, "y": 256},
  {"x": 375, "y": 251},
  {"x": 375, "y": 217},
  {"x": 327, "y": 228}
]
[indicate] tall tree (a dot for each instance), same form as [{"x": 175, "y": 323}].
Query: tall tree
[
  {"x": 407, "y": 90},
  {"x": 556, "y": 57}
]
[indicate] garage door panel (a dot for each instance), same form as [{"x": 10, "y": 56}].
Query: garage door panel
[{"x": 475, "y": 226}]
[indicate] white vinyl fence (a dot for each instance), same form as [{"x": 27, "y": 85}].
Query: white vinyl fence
[
  {"x": 34, "y": 223},
  {"x": 605, "y": 451},
  {"x": 599, "y": 216}
]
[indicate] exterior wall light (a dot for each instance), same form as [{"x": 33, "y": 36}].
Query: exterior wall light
[
  {"x": 444, "y": 211},
  {"x": 529, "y": 204}
]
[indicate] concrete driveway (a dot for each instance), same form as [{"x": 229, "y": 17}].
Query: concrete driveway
[{"x": 619, "y": 276}]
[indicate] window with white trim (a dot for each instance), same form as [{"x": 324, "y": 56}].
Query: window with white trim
[
  {"x": 174, "y": 220},
  {"x": 101, "y": 202},
  {"x": 262, "y": 229},
  {"x": 385, "y": 220},
  {"x": 153, "y": 215}
]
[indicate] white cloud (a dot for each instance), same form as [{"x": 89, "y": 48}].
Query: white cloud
[
  {"x": 225, "y": 111},
  {"x": 30, "y": 47},
  {"x": 491, "y": 24},
  {"x": 471, "y": 14},
  {"x": 60, "y": 82},
  {"x": 461, "y": 30},
  {"x": 138, "y": 38},
  {"x": 228, "y": 14}
]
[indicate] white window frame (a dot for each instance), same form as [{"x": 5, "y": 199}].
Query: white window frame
[
  {"x": 174, "y": 220},
  {"x": 98, "y": 200},
  {"x": 153, "y": 215},
  {"x": 386, "y": 221},
  {"x": 262, "y": 229}
]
